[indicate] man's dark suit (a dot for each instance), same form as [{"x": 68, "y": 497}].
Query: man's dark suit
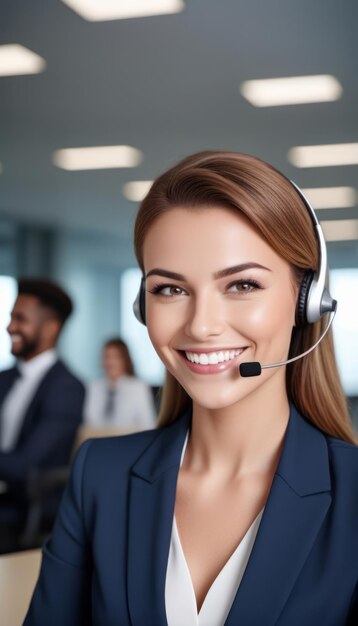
[{"x": 47, "y": 434}]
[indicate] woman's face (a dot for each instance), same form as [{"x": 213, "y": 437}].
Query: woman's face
[
  {"x": 113, "y": 362},
  {"x": 217, "y": 295}
]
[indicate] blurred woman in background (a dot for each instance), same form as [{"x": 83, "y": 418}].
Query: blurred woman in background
[{"x": 119, "y": 399}]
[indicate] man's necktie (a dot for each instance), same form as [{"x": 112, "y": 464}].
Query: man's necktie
[{"x": 109, "y": 408}]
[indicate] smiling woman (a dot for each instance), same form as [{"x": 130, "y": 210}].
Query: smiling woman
[
  {"x": 268, "y": 204},
  {"x": 248, "y": 489},
  {"x": 222, "y": 308}
]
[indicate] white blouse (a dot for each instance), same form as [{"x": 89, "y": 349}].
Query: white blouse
[
  {"x": 132, "y": 404},
  {"x": 180, "y": 601}
]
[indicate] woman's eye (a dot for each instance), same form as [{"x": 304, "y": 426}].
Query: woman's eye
[
  {"x": 243, "y": 286},
  {"x": 167, "y": 290}
]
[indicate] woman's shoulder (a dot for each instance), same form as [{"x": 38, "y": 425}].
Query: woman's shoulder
[
  {"x": 125, "y": 445},
  {"x": 343, "y": 449},
  {"x": 344, "y": 463},
  {"x": 112, "y": 454}
]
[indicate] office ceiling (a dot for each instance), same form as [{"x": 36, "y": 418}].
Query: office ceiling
[{"x": 168, "y": 85}]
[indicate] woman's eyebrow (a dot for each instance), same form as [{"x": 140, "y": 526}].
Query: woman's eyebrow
[
  {"x": 221, "y": 274},
  {"x": 158, "y": 272},
  {"x": 239, "y": 268}
]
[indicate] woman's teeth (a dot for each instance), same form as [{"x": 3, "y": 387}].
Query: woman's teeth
[{"x": 212, "y": 358}]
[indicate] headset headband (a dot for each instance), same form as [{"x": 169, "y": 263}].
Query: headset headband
[{"x": 314, "y": 299}]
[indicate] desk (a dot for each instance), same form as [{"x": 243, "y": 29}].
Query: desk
[{"x": 18, "y": 576}]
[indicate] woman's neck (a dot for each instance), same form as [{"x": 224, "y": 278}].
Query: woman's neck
[{"x": 238, "y": 440}]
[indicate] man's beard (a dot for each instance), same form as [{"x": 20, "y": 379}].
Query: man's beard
[{"x": 28, "y": 346}]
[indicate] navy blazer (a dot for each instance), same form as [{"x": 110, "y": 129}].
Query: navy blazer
[
  {"x": 105, "y": 564},
  {"x": 47, "y": 433}
]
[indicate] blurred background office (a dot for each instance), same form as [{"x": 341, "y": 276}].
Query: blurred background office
[{"x": 98, "y": 97}]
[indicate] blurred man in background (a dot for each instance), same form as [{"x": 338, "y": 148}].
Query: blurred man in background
[{"x": 41, "y": 401}]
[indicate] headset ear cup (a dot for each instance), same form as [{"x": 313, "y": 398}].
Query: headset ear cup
[
  {"x": 142, "y": 301},
  {"x": 302, "y": 300},
  {"x": 139, "y": 303}
]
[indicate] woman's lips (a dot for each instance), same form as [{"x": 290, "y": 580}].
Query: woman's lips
[{"x": 198, "y": 368}]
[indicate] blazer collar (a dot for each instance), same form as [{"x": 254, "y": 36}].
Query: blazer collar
[
  {"x": 165, "y": 451},
  {"x": 304, "y": 462},
  {"x": 295, "y": 510},
  {"x": 288, "y": 528}
]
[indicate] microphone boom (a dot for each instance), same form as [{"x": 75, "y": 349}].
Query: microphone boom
[{"x": 254, "y": 368}]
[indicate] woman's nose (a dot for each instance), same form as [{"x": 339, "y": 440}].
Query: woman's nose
[{"x": 205, "y": 318}]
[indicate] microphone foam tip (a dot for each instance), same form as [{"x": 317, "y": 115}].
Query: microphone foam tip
[{"x": 250, "y": 369}]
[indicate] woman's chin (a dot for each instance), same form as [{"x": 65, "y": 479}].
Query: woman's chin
[{"x": 216, "y": 401}]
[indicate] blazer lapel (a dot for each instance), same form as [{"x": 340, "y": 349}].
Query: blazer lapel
[
  {"x": 33, "y": 409},
  {"x": 151, "y": 509},
  {"x": 7, "y": 379},
  {"x": 297, "y": 505}
]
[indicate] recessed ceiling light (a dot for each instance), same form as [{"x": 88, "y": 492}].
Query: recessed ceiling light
[
  {"x": 331, "y": 197},
  {"x": 17, "y": 60},
  {"x": 136, "y": 190},
  {"x": 324, "y": 155},
  {"x": 101, "y": 10},
  {"x": 271, "y": 92},
  {"x": 97, "y": 158},
  {"x": 340, "y": 230}
]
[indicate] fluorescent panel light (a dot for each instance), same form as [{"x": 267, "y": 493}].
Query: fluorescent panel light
[
  {"x": 324, "y": 155},
  {"x": 331, "y": 197},
  {"x": 136, "y": 190},
  {"x": 17, "y": 60},
  {"x": 340, "y": 230},
  {"x": 97, "y": 158},
  {"x": 101, "y": 10},
  {"x": 272, "y": 92}
]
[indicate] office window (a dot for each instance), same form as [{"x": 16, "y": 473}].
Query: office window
[
  {"x": 146, "y": 362},
  {"x": 8, "y": 292},
  {"x": 344, "y": 288}
]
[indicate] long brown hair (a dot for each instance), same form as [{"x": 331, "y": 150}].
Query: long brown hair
[{"x": 258, "y": 191}]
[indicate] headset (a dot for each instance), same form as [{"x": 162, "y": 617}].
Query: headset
[
  {"x": 313, "y": 301},
  {"x": 139, "y": 303}
]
